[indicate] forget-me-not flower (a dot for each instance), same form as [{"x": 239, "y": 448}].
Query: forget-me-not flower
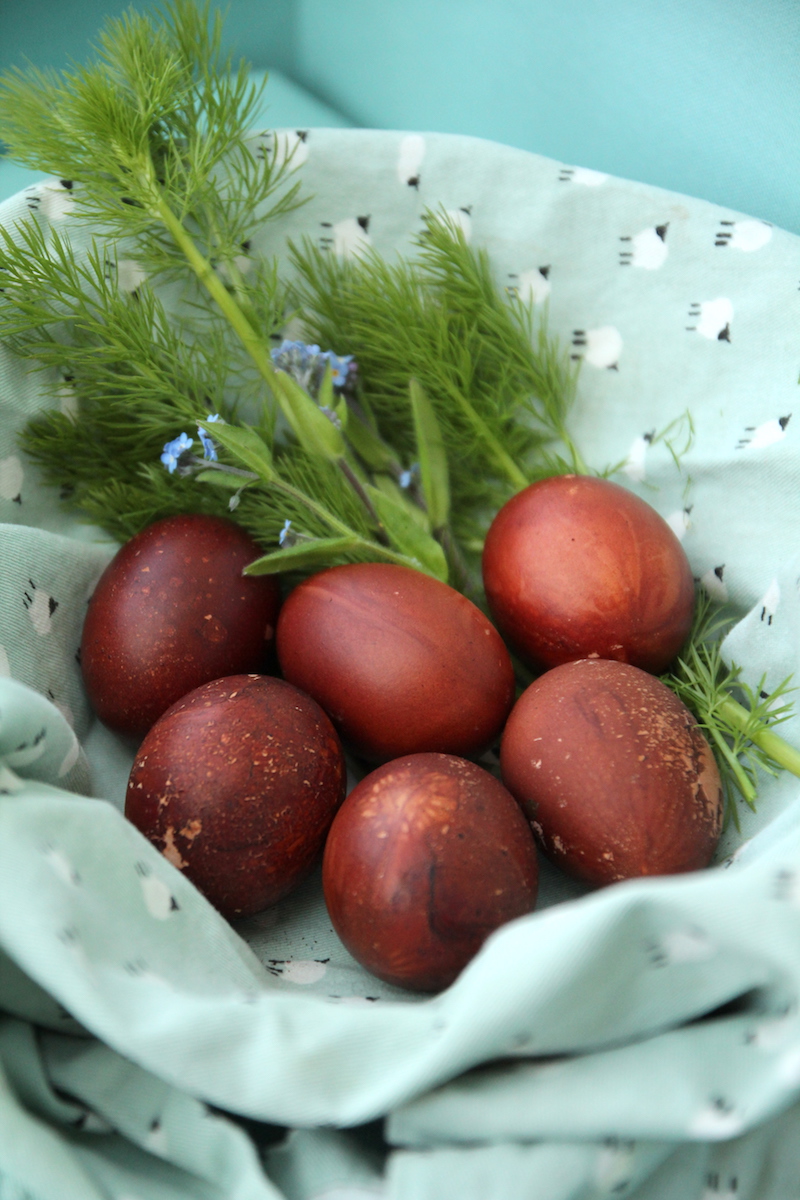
[
  {"x": 174, "y": 449},
  {"x": 406, "y": 478},
  {"x": 209, "y": 449},
  {"x": 307, "y": 363},
  {"x": 340, "y": 367}
]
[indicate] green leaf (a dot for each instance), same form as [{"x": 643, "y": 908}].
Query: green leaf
[
  {"x": 244, "y": 444},
  {"x": 321, "y": 552},
  {"x": 407, "y": 536},
  {"x": 222, "y": 479},
  {"x": 314, "y": 430},
  {"x": 392, "y": 489},
  {"x": 369, "y": 447},
  {"x": 432, "y": 457},
  {"x": 342, "y": 412},
  {"x": 327, "y": 398}
]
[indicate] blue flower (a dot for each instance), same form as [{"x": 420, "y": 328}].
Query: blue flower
[
  {"x": 406, "y": 478},
  {"x": 209, "y": 449},
  {"x": 284, "y": 533},
  {"x": 306, "y": 363},
  {"x": 340, "y": 367},
  {"x": 174, "y": 449},
  {"x": 293, "y": 355},
  {"x": 212, "y": 417}
]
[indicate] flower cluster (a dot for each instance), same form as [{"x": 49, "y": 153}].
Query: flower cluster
[
  {"x": 307, "y": 363},
  {"x": 176, "y": 454}
]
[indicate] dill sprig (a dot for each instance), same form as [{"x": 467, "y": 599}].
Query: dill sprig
[
  {"x": 496, "y": 379},
  {"x": 737, "y": 719},
  {"x": 146, "y": 128},
  {"x": 153, "y": 139}
]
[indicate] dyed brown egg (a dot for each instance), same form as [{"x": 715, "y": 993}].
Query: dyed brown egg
[
  {"x": 613, "y": 772},
  {"x": 171, "y": 611},
  {"x": 427, "y": 856},
  {"x": 401, "y": 662},
  {"x": 575, "y": 566},
  {"x": 237, "y": 785}
]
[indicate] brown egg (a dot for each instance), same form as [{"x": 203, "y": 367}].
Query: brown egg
[
  {"x": 237, "y": 785},
  {"x": 575, "y": 566},
  {"x": 171, "y": 611},
  {"x": 401, "y": 662},
  {"x": 427, "y": 856},
  {"x": 613, "y": 772}
]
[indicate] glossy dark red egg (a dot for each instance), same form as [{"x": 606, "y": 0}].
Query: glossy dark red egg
[
  {"x": 171, "y": 611},
  {"x": 427, "y": 856},
  {"x": 237, "y": 785},
  {"x": 613, "y": 772},
  {"x": 402, "y": 663},
  {"x": 576, "y": 566}
]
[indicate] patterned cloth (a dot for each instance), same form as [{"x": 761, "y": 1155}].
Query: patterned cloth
[{"x": 642, "y": 1040}]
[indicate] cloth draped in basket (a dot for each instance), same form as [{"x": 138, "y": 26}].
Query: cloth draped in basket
[{"x": 643, "y": 1040}]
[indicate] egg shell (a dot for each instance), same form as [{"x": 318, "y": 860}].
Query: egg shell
[
  {"x": 614, "y": 773},
  {"x": 171, "y": 611},
  {"x": 237, "y": 785},
  {"x": 427, "y": 856},
  {"x": 401, "y": 662},
  {"x": 576, "y": 566}
]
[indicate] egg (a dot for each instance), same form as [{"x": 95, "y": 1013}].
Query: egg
[
  {"x": 237, "y": 785},
  {"x": 171, "y": 611},
  {"x": 613, "y": 772},
  {"x": 402, "y": 663},
  {"x": 427, "y": 856},
  {"x": 576, "y": 566}
]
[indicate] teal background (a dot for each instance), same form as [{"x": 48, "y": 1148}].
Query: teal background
[{"x": 698, "y": 97}]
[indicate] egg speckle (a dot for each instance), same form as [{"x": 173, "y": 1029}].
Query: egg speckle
[
  {"x": 626, "y": 785},
  {"x": 237, "y": 784}
]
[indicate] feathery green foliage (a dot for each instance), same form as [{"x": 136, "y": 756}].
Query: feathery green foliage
[
  {"x": 737, "y": 719},
  {"x": 152, "y": 138},
  {"x": 498, "y": 382}
]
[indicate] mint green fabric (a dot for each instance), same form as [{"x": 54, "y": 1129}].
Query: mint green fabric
[{"x": 642, "y": 1040}]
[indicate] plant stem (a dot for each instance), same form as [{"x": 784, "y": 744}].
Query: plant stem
[
  {"x": 355, "y": 484},
  {"x": 578, "y": 463},
  {"x": 743, "y": 781},
  {"x": 208, "y": 277},
  {"x": 504, "y": 460},
  {"x": 462, "y": 580},
  {"x": 778, "y": 750}
]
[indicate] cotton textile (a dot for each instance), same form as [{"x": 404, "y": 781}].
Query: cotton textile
[{"x": 641, "y": 1040}]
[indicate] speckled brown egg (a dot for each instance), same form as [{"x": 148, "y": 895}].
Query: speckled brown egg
[
  {"x": 613, "y": 772},
  {"x": 402, "y": 663},
  {"x": 171, "y": 611},
  {"x": 237, "y": 785},
  {"x": 427, "y": 856}
]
